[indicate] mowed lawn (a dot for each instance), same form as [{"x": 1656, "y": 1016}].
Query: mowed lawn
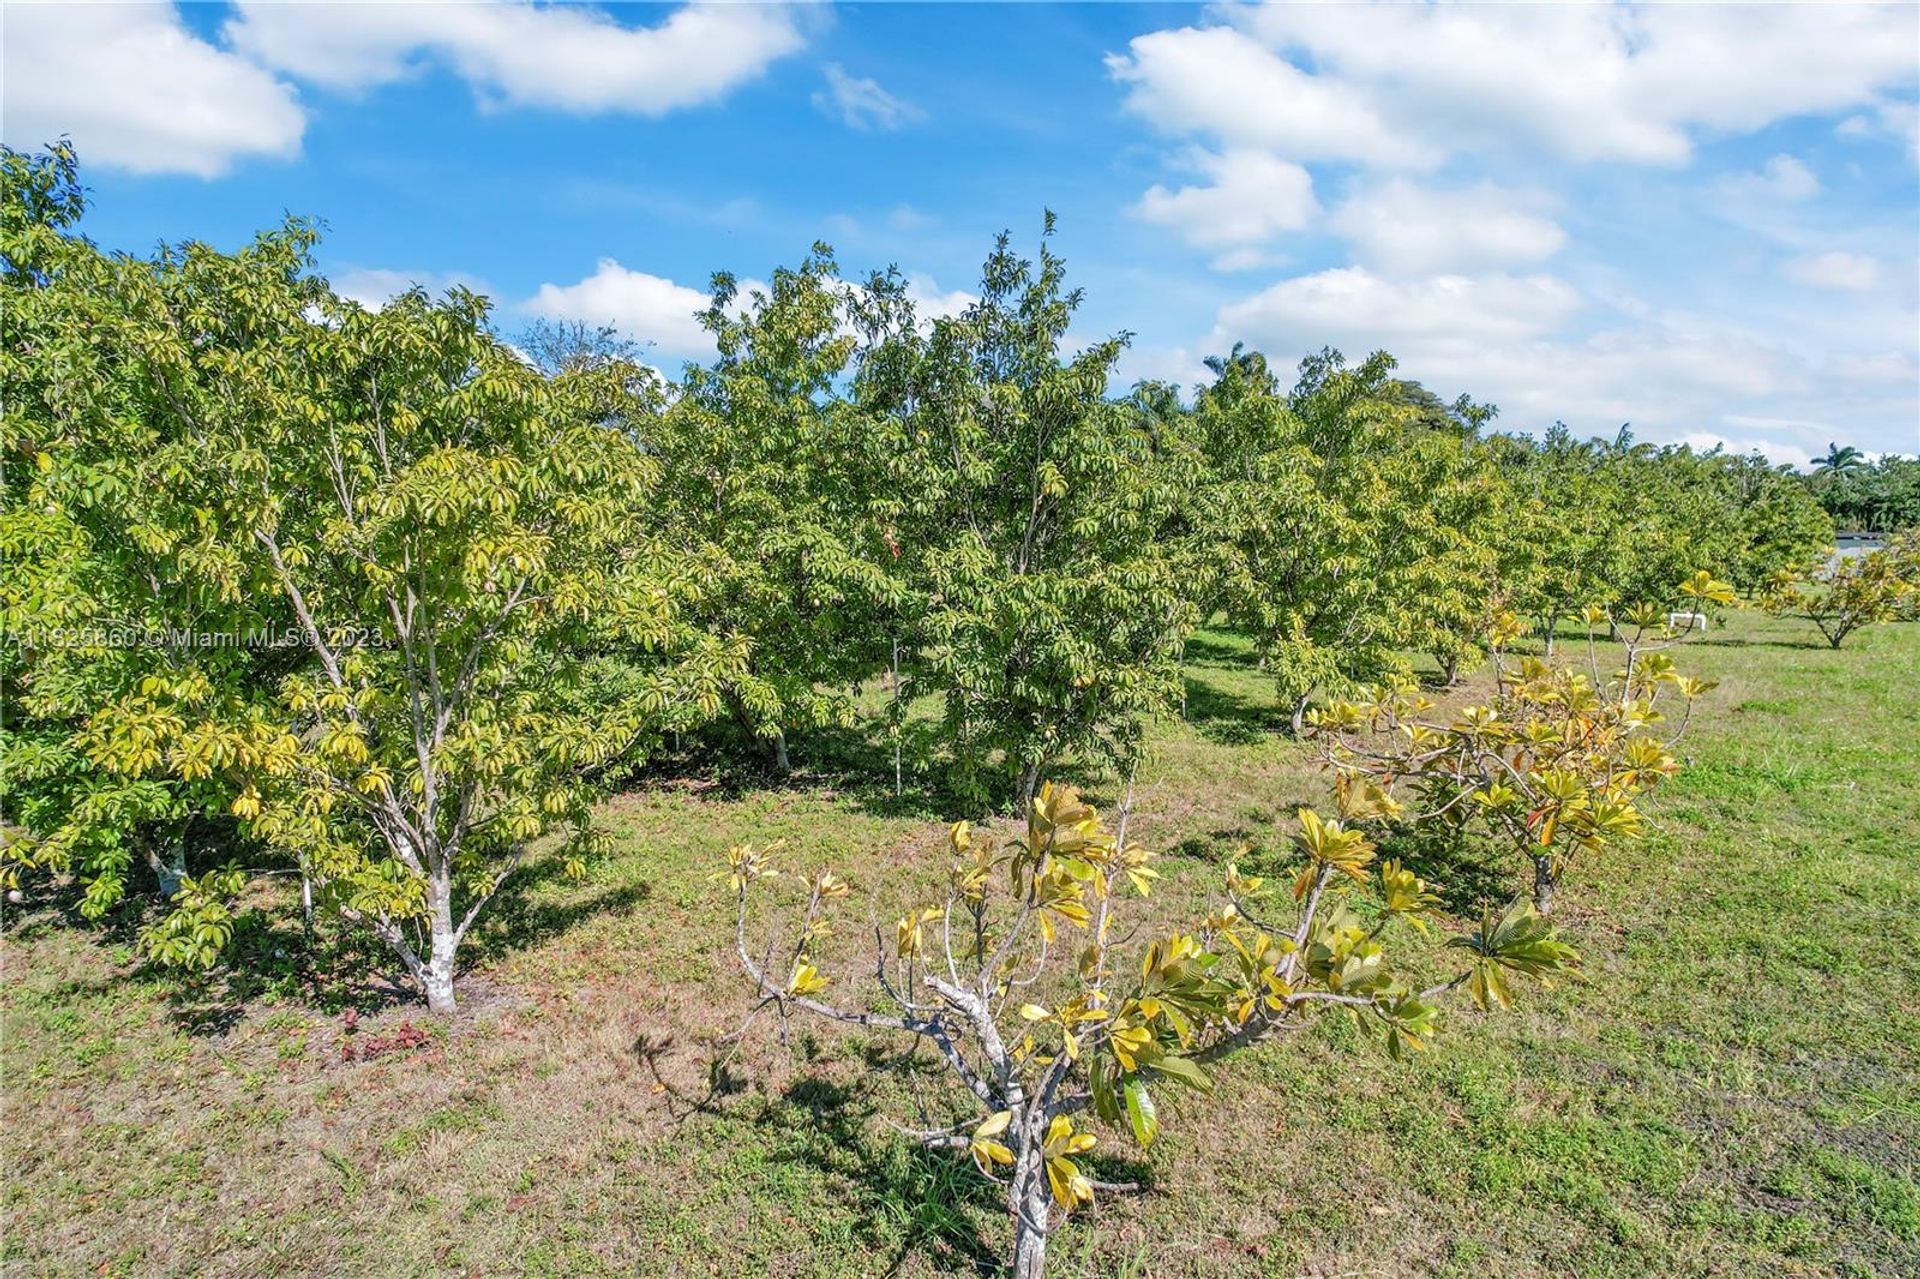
[{"x": 1734, "y": 1090}]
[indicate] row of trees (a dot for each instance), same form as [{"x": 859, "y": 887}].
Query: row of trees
[{"x": 379, "y": 597}]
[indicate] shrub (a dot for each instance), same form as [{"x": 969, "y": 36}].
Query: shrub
[
  {"x": 1550, "y": 766},
  {"x": 1849, "y": 592}
]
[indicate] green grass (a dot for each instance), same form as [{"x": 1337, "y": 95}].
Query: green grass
[{"x": 1734, "y": 1090}]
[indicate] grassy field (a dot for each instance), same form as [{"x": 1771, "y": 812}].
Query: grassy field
[{"x": 1734, "y": 1091}]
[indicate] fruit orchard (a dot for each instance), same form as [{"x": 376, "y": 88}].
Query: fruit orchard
[{"x": 507, "y": 576}]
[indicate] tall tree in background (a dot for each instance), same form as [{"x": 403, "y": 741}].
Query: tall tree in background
[
  {"x": 1839, "y": 459},
  {"x": 1326, "y": 520},
  {"x": 769, "y": 468},
  {"x": 1054, "y": 611}
]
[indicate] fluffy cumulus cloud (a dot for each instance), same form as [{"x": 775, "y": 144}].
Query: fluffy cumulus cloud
[
  {"x": 645, "y": 308},
  {"x": 1249, "y": 198},
  {"x": 931, "y": 302},
  {"x": 572, "y": 58},
  {"x": 1784, "y": 178},
  {"x": 861, "y": 103},
  {"x": 1352, "y": 308},
  {"x": 1402, "y": 227},
  {"x": 1586, "y": 82},
  {"x": 1517, "y": 341},
  {"x": 136, "y": 90},
  {"x": 1225, "y": 84}
]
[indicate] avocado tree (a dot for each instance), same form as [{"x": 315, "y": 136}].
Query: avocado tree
[
  {"x": 1551, "y": 765},
  {"x": 1287, "y": 528},
  {"x": 447, "y": 533},
  {"x": 1059, "y": 1023}
]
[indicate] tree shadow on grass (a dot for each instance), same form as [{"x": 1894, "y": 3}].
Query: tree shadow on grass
[
  {"x": 854, "y": 761},
  {"x": 524, "y": 915},
  {"x": 272, "y": 956},
  {"x": 1467, "y": 872},
  {"x": 907, "y": 1198},
  {"x": 1228, "y": 719},
  {"x": 1208, "y": 650},
  {"x": 1733, "y": 641}
]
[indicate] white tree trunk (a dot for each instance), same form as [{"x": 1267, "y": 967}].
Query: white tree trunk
[
  {"x": 437, "y": 976},
  {"x": 1032, "y": 1205},
  {"x": 169, "y": 868},
  {"x": 1028, "y": 1197}
]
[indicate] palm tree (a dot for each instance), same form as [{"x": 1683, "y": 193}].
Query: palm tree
[{"x": 1839, "y": 460}]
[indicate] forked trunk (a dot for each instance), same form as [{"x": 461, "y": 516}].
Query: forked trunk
[{"x": 1543, "y": 885}]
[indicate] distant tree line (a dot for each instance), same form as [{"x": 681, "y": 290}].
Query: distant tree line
[{"x": 1880, "y": 495}]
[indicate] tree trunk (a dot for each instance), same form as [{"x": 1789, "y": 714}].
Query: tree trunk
[
  {"x": 899, "y": 725},
  {"x": 1029, "y": 786},
  {"x": 170, "y": 869},
  {"x": 781, "y": 764},
  {"x": 437, "y": 976},
  {"x": 1032, "y": 1206},
  {"x": 1543, "y": 885},
  {"x": 1549, "y": 626},
  {"x": 1449, "y": 671}
]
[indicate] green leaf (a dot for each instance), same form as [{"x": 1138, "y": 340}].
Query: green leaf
[
  {"x": 1141, "y": 1115},
  {"x": 1184, "y": 1071}
]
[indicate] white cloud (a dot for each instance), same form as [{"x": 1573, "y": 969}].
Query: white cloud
[
  {"x": 1219, "y": 82},
  {"x": 573, "y": 58},
  {"x": 931, "y": 303},
  {"x": 1878, "y": 366},
  {"x": 862, "y": 104},
  {"x": 1778, "y": 452},
  {"x": 138, "y": 91},
  {"x": 1895, "y": 119},
  {"x": 1358, "y": 311},
  {"x": 1253, "y": 197},
  {"x": 645, "y": 308},
  {"x": 1396, "y": 84},
  {"x": 1783, "y": 178},
  {"x": 1507, "y": 339},
  {"x": 374, "y": 287},
  {"x": 1834, "y": 270},
  {"x": 1399, "y": 227}
]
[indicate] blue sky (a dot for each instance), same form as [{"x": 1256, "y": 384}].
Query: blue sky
[{"x": 1704, "y": 220}]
